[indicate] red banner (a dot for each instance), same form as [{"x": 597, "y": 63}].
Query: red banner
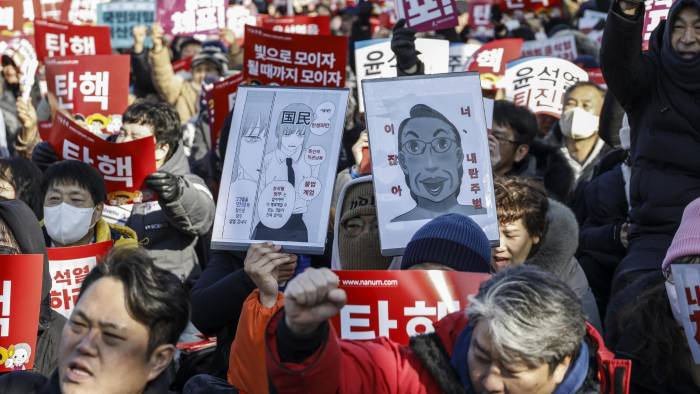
[
  {"x": 182, "y": 64},
  {"x": 68, "y": 268},
  {"x": 220, "y": 100},
  {"x": 124, "y": 166},
  {"x": 491, "y": 59},
  {"x": 11, "y": 15},
  {"x": 54, "y": 39},
  {"x": 88, "y": 85},
  {"x": 48, "y": 9},
  {"x": 427, "y": 15},
  {"x": 400, "y": 304},
  {"x": 655, "y": 12},
  {"x": 21, "y": 276},
  {"x": 187, "y": 17},
  {"x": 294, "y": 59},
  {"x": 480, "y": 14},
  {"x": 299, "y": 24},
  {"x": 527, "y": 5}
]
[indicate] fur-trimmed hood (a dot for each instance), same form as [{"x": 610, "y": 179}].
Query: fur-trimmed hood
[{"x": 557, "y": 247}]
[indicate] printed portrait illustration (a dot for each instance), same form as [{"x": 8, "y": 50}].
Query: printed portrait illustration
[{"x": 431, "y": 158}]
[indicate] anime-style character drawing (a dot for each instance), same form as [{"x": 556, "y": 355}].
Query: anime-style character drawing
[
  {"x": 431, "y": 158},
  {"x": 285, "y": 163},
  {"x": 18, "y": 356},
  {"x": 251, "y": 148}
]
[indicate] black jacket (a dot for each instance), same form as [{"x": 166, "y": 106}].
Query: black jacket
[
  {"x": 547, "y": 163},
  {"x": 23, "y": 382},
  {"x": 26, "y": 229},
  {"x": 661, "y": 95}
]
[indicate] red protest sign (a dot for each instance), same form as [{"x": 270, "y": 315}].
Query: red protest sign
[
  {"x": 182, "y": 64},
  {"x": 527, "y": 5},
  {"x": 11, "y": 15},
  {"x": 655, "y": 12},
  {"x": 400, "y": 304},
  {"x": 54, "y": 39},
  {"x": 187, "y": 17},
  {"x": 124, "y": 166},
  {"x": 48, "y": 9},
  {"x": 68, "y": 268},
  {"x": 427, "y": 15},
  {"x": 480, "y": 14},
  {"x": 294, "y": 59},
  {"x": 80, "y": 11},
  {"x": 220, "y": 101},
  {"x": 491, "y": 59},
  {"x": 88, "y": 85},
  {"x": 21, "y": 276},
  {"x": 299, "y": 24}
]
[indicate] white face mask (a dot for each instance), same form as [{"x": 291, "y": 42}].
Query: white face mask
[
  {"x": 578, "y": 123},
  {"x": 673, "y": 300},
  {"x": 67, "y": 224}
]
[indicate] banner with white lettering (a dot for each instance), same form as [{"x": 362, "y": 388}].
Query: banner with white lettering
[
  {"x": 55, "y": 39},
  {"x": 563, "y": 47},
  {"x": 427, "y": 15},
  {"x": 188, "y": 17}
]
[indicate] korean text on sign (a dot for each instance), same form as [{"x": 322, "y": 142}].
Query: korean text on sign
[
  {"x": 122, "y": 16},
  {"x": 54, "y": 39},
  {"x": 294, "y": 60},
  {"x": 183, "y": 17}
]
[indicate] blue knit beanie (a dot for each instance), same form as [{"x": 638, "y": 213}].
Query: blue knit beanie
[{"x": 453, "y": 240}]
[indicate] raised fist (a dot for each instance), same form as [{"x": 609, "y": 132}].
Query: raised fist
[{"x": 312, "y": 298}]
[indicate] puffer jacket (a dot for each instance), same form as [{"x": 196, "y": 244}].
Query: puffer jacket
[{"x": 174, "y": 89}]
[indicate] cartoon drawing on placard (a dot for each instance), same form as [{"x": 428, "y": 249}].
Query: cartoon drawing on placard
[
  {"x": 281, "y": 164},
  {"x": 18, "y": 356},
  {"x": 431, "y": 156}
]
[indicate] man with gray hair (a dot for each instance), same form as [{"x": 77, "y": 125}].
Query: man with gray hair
[{"x": 524, "y": 332}]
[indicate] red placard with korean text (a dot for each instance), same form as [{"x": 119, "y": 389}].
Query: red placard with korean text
[
  {"x": 220, "y": 100},
  {"x": 480, "y": 14},
  {"x": 55, "y": 39},
  {"x": 124, "y": 166},
  {"x": 294, "y": 59},
  {"x": 88, "y": 85},
  {"x": 491, "y": 59},
  {"x": 299, "y": 24},
  {"x": 400, "y": 304},
  {"x": 68, "y": 268},
  {"x": 527, "y": 5},
  {"x": 21, "y": 277},
  {"x": 11, "y": 15},
  {"x": 427, "y": 15},
  {"x": 188, "y": 17},
  {"x": 48, "y": 9},
  {"x": 655, "y": 12}
]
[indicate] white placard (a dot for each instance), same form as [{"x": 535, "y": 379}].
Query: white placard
[
  {"x": 280, "y": 168},
  {"x": 374, "y": 59},
  {"x": 686, "y": 278},
  {"x": 430, "y": 154},
  {"x": 460, "y": 53}
]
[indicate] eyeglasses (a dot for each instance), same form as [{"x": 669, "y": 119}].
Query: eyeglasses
[
  {"x": 502, "y": 139},
  {"x": 438, "y": 145}
]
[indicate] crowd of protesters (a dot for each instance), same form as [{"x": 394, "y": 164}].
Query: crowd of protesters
[{"x": 593, "y": 207}]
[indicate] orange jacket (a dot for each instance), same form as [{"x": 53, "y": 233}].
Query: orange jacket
[{"x": 246, "y": 364}]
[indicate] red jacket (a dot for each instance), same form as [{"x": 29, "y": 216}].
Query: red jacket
[{"x": 383, "y": 366}]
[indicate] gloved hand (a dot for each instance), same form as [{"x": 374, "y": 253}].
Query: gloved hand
[
  {"x": 403, "y": 45},
  {"x": 168, "y": 186}
]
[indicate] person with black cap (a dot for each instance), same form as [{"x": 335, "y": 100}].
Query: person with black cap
[
  {"x": 20, "y": 233},
  {"x": 659, "y": 90},
  {"x": 184, "y": 95}
]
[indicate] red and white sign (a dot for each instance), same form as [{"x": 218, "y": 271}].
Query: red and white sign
[
  {"x": 539, "y": 83},
  {"x": 491, "y": 60},
  {"x": 11, "y": 12},
  {"x": 48, "y": 9},
  {"x": 686, "y": 278},
  {"x": 299, "y": 24},
  {"x": 220, "y": 100},
  {"x": 401, "y": 304},
  {"x": 182, "y": 64},
  {"x": 82, "y": 12},
  {"x": 68, "y": 268},
  {"x": 563, "y": 47},
  {"x": 124, "y": 166},
  {"x": 655, "y": 12},
  {"x": 55, "y": 39},
  {"x": 480, "y": 14},
  {"x": 89, "y": 85},
  {"x": 187, "y": 17},
  {"x": 527, "y": 5},
  {"x": 294, "y": 59},
  {"x": 20, "y": 296},
  {"x": 427, "y": 15},
  {"x": 237, "y": 16}
]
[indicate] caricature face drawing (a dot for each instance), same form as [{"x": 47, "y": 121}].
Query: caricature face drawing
[
  {"x": 293, "y": 129},
  {"x": 431, "y": 158},
  {"x": 20, "y": 357}
]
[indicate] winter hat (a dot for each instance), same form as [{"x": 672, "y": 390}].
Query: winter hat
[
  {"x": 360, "y": 252},
  {"x": 213, "y": 55},
  {"x": 453, "y": 240},
  {"x": 686, "y": 242}
]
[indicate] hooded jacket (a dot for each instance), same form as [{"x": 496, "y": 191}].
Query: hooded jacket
[
  {"x": 26, "y": 229},
  {"x": 555, "y": 254},
  {"x": 661, "y": 94},
  {"x": 432, "y": 363},
  {"x": 169, "y": 231}
]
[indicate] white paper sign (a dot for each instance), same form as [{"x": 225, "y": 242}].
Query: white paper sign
[
  {"x": 280, "y": 168},
  {"x": 374, "y": 59},
  {"x": 430, "y": 154},
  {"x": 686, "y": 278},
  {"x": 66, "y": 278},
  {"x": 563, "y": 47},
  {"x": 460, "y": 54},
  {"x": 539, "y": 83}
]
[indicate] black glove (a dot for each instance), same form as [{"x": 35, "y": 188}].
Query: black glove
[
  {"x": 168, "y": 186},
  {"x": 43, "y": 155},
  {"x": 403, "y": 45}
]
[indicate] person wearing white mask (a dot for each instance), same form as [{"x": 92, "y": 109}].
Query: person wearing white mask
[
  {"x": 581, "y": 144},
  {"x": 73, "y": 200}
]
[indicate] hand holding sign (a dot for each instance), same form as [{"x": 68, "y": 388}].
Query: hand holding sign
[
  {"x": 264, "y": 264},
  {"x": 403, "y": 44},
  {"x": 139, "y": 32},
  {"x": 312, "y": 298}
]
